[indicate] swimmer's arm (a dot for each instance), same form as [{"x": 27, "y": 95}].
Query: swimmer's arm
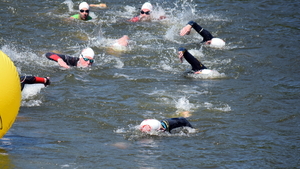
[
  {"x": 101, "y": 5},
  {"x": 181, "y": 52},
  {"x": 62, "y": 63},
  {"x": 134, "y": 19}
]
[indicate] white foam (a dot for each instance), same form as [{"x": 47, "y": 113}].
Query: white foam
[
  {"x": 208, "y": 74},
  {"x": 116, "y": 75},
  {"x": 70, "y": 5},
  {"x": 29, "y": 94},
  {"x": 31, "y": 90},
  {"x": 183, "y": 104},
  {"x": 223, "y": 107}
]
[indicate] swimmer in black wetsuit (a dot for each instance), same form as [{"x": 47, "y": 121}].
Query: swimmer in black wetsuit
[
  {"x": 197, "y": 66},
  {"x": 85, "y": 59},
  {"x": 34, "y": 79},
  {"x": 165, "y": 125},
  {"x": 208, "y": 39}
]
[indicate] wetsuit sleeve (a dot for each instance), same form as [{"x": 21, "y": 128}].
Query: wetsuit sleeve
[
  {"x": 53, "y": 56},
  {"x": 172, "y": 123},
  {"x": 27, "y": 79},
  {"x": 196, "y": 64},
  {"x": 71, "y": 61},
  {"x": 204, "y": 33},
  {"x": 30, "y": 80}
]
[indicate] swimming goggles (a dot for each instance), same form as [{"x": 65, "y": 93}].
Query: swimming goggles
[
  {"x": 147, "y": 13},
  {"x": 86, "y": 59},
  {"x": 87, "y": 11}
]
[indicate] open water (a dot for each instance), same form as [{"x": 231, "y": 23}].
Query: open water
[{"x": 247, "y": 116}]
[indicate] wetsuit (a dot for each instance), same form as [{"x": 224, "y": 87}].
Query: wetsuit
[
  {"x": 71, "y": 61},
  {"x": 196, "y": 65},
  {"x": 172, "y": 123},
  {"x": 77, "y": 16},
  {"x": 32, "y": 79},
  {"x": 204, "y": 33}
]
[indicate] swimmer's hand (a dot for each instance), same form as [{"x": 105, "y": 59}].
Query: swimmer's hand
[
  {"x": 134, "y": 19},
  {"x": 123, "y": 41},
  {"x": 62, "y": 63},
  {"x": 47, "y": 81},
  {"x": 186, "y": 30},
  {"x": 180, "y": 56},
  {"x": 198, "y": 72}
]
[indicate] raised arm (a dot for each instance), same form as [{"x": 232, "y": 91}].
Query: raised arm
[{"x": 191, "y": 24}]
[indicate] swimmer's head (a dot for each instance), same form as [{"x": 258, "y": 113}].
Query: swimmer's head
[
  {"x": 147, "y": 6},
  {"x": 84, "y": 5},
  {"x": 88, "y": 52},
  {"x": 217, "y": 43},
  {"x": 149, "y": 125}
]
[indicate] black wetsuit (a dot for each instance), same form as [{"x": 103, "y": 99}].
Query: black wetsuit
[
  {"x": 172, "y": 123},
  {"x": 196, "y": 64},
  {"x": 204, "y": 33},
  {"x": 32, "y": 80},
  {"x": 71, "y": 61}
]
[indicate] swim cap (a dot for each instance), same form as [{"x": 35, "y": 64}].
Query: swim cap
[
  {"x": 88, "y": 52},
  {"x": 84, "y": 5},
  {"x": 147, "y": 5},
  {"x": 217, "y": 43},
  {"x": 150, "y": 125}
]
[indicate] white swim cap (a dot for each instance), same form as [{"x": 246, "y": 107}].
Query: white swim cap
[
  {"x": 88, "y": 52},
  {"x": 150, "y": 125},
  {"x": 147, "y": 5},
  {"x": 217, "y": 43},
  {"x": 84, "y": 5}
]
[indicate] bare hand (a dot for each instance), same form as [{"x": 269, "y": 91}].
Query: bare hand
[
  {"x": 180, "y": 56},
  {"x": 186, "y": 30},
  {"x": 63, "y": 63},
  {"x": 135, "y": 19},
  {"x": 123, "y": 41}
]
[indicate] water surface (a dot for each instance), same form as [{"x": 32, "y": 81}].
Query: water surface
[{"x": 247, "y": 117}]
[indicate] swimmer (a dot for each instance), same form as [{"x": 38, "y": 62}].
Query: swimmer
[
  {"x": 83, "y": 12},
  {"x": 33, "y": 80},
  {"x": 167, "y": 125},
  {"x": 208, "y": 39},
  {"x": 197, "y": 66},
  {"x": 85, "y": 59},
  {"x": 145, "y": 13}
]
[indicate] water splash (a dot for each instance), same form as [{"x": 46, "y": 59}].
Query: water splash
[
  {"x": 29, "y": 95},
  {"x": 183, "y": 104},
  {"x": 70, "y": 5},
  {"x": 221, "y": 107}
]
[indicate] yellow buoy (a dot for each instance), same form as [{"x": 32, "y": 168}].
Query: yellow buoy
[{"x": 10, "y": 93}]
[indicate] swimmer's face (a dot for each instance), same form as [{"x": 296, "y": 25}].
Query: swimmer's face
[
  {"x": 86, "y": 61},
  {"x": 145, "y": 14},
  {"x": 84, "y": 13}
]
